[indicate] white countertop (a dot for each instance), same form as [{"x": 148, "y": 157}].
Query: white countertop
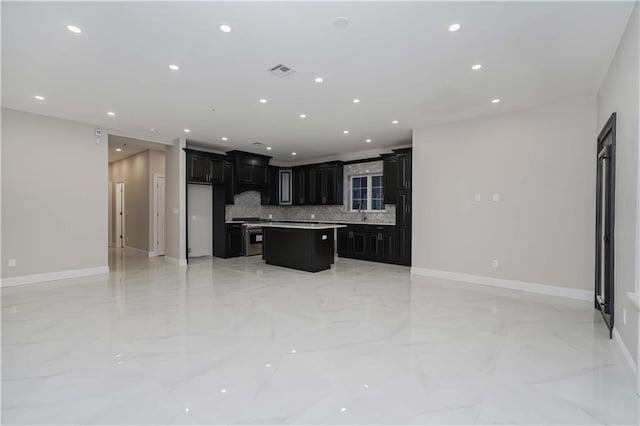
[
  {"x": 298, "y": 225},
  {"x": 311, "y": 221}
]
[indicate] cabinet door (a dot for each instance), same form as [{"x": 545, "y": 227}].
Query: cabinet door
[
  {"x": 390, "y": 172},
  {"x": 331, "y": 185},
  {"x": 344, "y": 242},
  {"x": 285, "y": 188},
  {"x": 374, "y": 245},
  {"x": 270, "y": 195},
  {"x": 403, "y": 236},
  {"x": 403, "y": 208},
  {"x": 245, "y": 173},
  {"x": 299, "y": 186},
  {"x": 359, "y": 242},
  {"x": 229, "y": 182},
  {"x": 404, "y": 171},
  {"x": 318, "y": 195},
  {"x": 260, "y": 175},
  {"x": 216, "y": 174},
  {"x": 389, "y": 250},
  {"x": 198, "y": 168},
  {"x": 234, "y": 241}
]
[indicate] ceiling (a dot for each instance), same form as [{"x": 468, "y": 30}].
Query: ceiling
[
  {"x": 399, "y": 59},
  {"x": 129, "y": 147}
]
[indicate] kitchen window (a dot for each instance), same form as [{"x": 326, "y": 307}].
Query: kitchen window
[{"x": 366, "y": 193}]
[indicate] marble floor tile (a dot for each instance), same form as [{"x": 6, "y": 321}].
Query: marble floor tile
[{"x": 238, "y": 342}]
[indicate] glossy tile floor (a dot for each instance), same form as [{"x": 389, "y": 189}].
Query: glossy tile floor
[{"x": 236, "y": 341}]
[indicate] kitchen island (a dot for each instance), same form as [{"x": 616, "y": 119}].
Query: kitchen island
[{"x": 305, "y": 246}]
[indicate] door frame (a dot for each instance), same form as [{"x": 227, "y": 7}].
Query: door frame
[
  {"x": 609, "y": 130},
  {"x": 123, "y": 221},
  {"x": 156, "y": 178}
]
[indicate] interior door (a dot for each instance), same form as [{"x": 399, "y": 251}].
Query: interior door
[
  {"x": 605, "y": 217},
  {"x": 120, "y": 217},
  {"x": 160, "y": 215}
]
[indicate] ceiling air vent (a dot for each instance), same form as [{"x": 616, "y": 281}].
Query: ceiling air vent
[
  {"x": 281, "y": 71},
  {"x": 257, "y": 144}
]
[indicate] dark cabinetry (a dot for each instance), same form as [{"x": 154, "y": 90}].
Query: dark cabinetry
[
  {"x": 269, "y": 197},
  {"x": 390, "y": 173},
  {"x": 204, "y": 168},
  {"x": 229, "y": 182},
  {"x": 251, "y": 170},
  {"x": 318, "y": 184},
  {"x": 234, "y": 240},
  {"x": 368, "y": 242}
]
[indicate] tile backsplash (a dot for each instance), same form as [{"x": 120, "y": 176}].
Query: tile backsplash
[{"x": 247, "y": 204}]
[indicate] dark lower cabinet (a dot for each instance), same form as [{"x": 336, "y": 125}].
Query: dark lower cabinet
[
  {"x": 234, "y": 240},
  {"x": 377, "y": 243}
]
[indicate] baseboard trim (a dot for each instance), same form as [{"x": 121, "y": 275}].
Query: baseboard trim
[
  {"x": 625, "y": 351},
  {"x": 174, "y": 261},
  {"x": 550, "y": 290},
  {"x": 53, "y": 276},
  {"x": 145, "y": 252}
]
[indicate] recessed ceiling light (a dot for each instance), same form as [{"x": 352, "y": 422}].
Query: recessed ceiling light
[
  {"x": 476, "y": 67},
  {"x": 74, "y": 29},
  {"x": 174, "y": 67},
  {"x": 356, "y": 101},
  {"x": 367, "y": 140},
  {"x": 454, "y": 27},
  {"x": 225, "y": 28},
  {"x": 263, "y": 101},
  {"x": 112, "y": 114},
  {"x": 303, "y": 115},
  {"x": 268, "y": 148},
  {"x": 119, "y": 149},
  {"x": 346, "y": 132},
  {"x": 319, "y": 80},
  {"x": 187, "y": 130},
  {"x": 224, "y": 138},
  {"x": 293, "y": 153},
  {"x": 394, "y": 122},
  {"x": 495, "y": 101},
  {"x": 38, "y": 97}
]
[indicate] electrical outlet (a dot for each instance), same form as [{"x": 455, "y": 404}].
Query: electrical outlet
[
  {"x": 12, "y": 263},
  {"x": 624, "y": 316},
  {"x": 494, "y": 264},
  {"x": 477, "y": 197},
  {"x": 313, "y": 216},
  {"x": 496, "y": 197},
  {"x": 270, "y": 216}
]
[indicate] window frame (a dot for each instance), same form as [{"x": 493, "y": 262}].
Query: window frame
[{"x": 369, "y": 178}]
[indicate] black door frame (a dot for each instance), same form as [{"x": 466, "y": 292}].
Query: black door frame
[{"x": 606, "y": 151}]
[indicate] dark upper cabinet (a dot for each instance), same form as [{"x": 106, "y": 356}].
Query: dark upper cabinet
[
  {"x": 318, "y": 184},
  {"x": 403, "y": 158},
  {"x": 390, "y": 173},
  {"x": 270, "y": 196},
  {"x": 251, "y": 170},
  {"x": 229, "y": 182},
  {"x": 204, "y": 168}
]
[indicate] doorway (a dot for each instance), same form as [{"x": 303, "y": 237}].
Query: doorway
[
  {"x": 605, "y": 220},
  {"x": 159, "y": 194},
  {"x": 119, "y": 219}
]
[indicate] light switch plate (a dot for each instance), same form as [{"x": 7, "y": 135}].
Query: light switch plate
[
  {"x": 477, "y": 197},
  {"x": 495, "y": 264},
  {"x": 496, "y": 197},
  {"x": 624, "y": 316},
  {"x": 270, "y": 216},
  {"x": 313, "y": 216},
  {"x": 12, "y": 263}
]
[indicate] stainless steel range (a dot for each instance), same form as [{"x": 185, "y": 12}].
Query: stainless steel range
[{"x": 251, "y": 235}]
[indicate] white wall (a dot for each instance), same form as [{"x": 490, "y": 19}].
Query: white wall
[
  {"x": 620, "y": 93},
  {"x": 54, "y": 196},
  {"x": 175, "y": 247},
  {"x": 542, "y": 163}
]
